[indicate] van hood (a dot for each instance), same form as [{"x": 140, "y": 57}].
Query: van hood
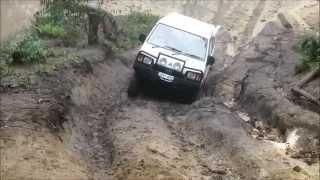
[{"x": 189, "y": 61}]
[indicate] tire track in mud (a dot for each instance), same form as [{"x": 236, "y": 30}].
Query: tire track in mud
[
  {"x": 152, "y": 138},
  {"x": 144, "y": 134},
  {"x": 222, "y": 8},
  {"x": 256, "y": 14},
  {"x": 191, "y": 125}
]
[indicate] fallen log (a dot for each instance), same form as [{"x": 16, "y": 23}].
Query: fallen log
[
  {"x": 308, "y": 77},
  {"x": 298, "y": 88},
  {"x": 307, "y": 95}
]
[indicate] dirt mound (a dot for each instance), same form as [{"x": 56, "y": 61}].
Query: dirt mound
[
  {"x": 260, "y": 80},
  {"x": 30, "y": 147},
  {"x": 45, "y": 126}
]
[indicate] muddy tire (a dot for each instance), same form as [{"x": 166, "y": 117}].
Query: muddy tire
[
  {"x": 190, "y": 97},
  {"x": 134, "y": 86},
  {"x": 195, "y": 96}
]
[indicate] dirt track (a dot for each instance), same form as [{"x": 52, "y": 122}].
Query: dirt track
[
  {"x": 151, "y": 137},
  {"x": 81, "y": 125}
]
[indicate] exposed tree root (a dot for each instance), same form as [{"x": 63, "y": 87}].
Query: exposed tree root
[{"x": 298, "y": 88}]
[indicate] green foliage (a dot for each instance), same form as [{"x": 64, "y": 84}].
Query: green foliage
[
  {"x": 61, "y": 19},
  {"x": 137, "y": 23},
  {"x": 51, "y": 30},
  {"x": 71, "y": 36},
  {"x": 309, "y": 48},
  {"x": 27, "y": 50},
  {"x": 59, "y": 12}
]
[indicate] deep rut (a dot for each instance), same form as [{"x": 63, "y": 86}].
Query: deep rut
[
  {"x": 147, "y": 134},
  {"x": 154, "y": 137}
]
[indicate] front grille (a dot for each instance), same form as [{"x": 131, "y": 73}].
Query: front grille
[{"x": 168, "y": 71}]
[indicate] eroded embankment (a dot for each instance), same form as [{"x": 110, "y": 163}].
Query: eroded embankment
[{"x": 260, "y": 79}]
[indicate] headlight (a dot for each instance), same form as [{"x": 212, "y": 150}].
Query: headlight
[
  {"x": 147, "y": 60},
  {"x": 177, "y": 66},
  {"x": 140, "y": 57},
  {"x": 144, "y": 59},
  {"x": 194, "y": 76},
  {"x": 163, "y": 61}
]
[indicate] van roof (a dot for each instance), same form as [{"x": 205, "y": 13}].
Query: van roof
[{"x": 189, "y": 24}]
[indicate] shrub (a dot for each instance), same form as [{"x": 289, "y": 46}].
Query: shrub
[
  {"x": 61, "y": 19},
  {"x": 71, "y": 36},
  {"x": 309, "y": 48},
  {"x": 51, "y": 30},
  {"x": 29, "y": 49},
  {"x": 137, "y": 23},
  {"x": 62, "y": 12}
]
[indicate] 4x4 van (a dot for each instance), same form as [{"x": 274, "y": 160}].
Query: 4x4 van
[{"x": 176, "y": 54}]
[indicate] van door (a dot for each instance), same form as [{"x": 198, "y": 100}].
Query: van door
[{"x": 211, "y": 51}]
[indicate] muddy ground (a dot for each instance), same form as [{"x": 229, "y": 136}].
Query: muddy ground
[{"x": 78, "y": 123}]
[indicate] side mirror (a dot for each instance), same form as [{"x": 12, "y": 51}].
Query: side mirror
[
  {"x": 142, "y": 38},
  {"x": 211, "y": 60}
]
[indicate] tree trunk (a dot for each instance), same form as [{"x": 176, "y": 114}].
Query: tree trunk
[{"x": 93, "y": 28}]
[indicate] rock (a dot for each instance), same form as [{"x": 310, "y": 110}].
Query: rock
[
  {"x": 244, "y": 116},
  {"x": 258, "y": 125},
  {"x": 297, "y": 169},
  {"x": 297, "y": 156},
  {"x": 255, "y": 131},
  {"x": 40, "y": 101},
  {"x": 310, "y": 161},
  {"x": 216, "y": 177},
  {"x": 271, "y": 137},
  {"x": 260, "y": 137}
]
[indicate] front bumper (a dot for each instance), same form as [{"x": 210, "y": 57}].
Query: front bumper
[{"x": 150, "y": 74}]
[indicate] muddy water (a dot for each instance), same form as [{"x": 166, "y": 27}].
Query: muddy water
[{"x": 15, "y": 16}]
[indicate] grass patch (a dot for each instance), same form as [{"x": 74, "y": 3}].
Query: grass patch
[
  {"x": 59, "y": 19},
  {"x": 51, "y": 30},
  {"x": 309, "y": 49},
  {"x": 27, "y": 49},
  {"x": 134, "y": 24}
]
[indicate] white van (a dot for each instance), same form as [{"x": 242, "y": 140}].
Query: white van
[{"x": 176, "y": 54}]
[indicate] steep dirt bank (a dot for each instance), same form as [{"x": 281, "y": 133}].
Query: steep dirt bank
[
  {"x": 266, "y": 66},
  {"x": 260, "y": 81},
  {"x": 32, "y": 136}
]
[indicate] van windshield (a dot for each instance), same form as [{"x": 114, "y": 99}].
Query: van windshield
[{"x": 181, "y": 41}]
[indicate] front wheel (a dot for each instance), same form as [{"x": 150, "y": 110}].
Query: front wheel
[
  {"x": 191, "y": 96},
  {"x": 134, "y": 86}
]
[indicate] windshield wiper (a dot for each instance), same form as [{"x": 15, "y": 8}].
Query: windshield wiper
[
  {"x": 167, "y": 47},
  {"x": 178, "y": 52},
  {"x": 190, "y": 55},
  {"x": 156, "y": 46},
  {"x": 172, "y": 48}
]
